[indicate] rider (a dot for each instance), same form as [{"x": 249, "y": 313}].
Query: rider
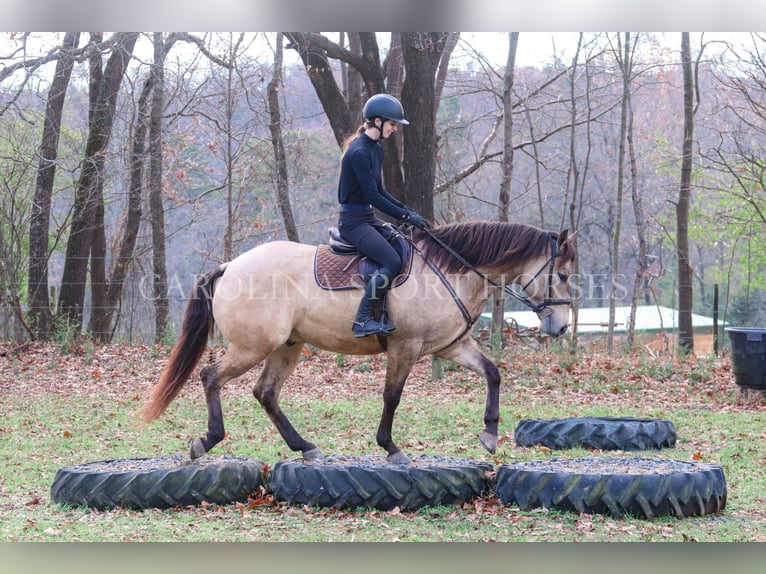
[{"x": 360, "y": 188}]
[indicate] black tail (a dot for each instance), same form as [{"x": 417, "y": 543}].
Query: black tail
[{"x": 197, "y": 327}]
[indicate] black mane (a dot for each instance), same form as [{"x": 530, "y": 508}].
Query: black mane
[{"x": 487, "y": 244}]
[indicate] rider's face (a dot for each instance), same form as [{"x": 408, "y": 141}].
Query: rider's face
[{"x": 389, "y": 127}]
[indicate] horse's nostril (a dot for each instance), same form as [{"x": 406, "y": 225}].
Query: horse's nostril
[{"x": 562, "y": 330}]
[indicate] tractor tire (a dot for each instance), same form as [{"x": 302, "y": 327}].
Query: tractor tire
[
  {"x": 372, "y": 483},
  {"x": 157, "y": 482},
  {"x": 602, "y": 433},
  {"x": 637, "y": 487}
]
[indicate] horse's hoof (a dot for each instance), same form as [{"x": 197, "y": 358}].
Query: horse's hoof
[
  {"x": 196, "y": 448},
  {"x": 399, "y": 458},
  {"x": 313, "y": 455},
  {"x": 488, "y": 441}
]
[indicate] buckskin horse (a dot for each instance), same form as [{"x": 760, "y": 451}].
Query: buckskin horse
[{"x": 268, "y": 304}]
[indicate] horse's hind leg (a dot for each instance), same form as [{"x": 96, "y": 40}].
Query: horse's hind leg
[
  {"x": 214, "y": 376},
  {"x": 467, "y": 353},
  {"x": 276, "y": 369}
]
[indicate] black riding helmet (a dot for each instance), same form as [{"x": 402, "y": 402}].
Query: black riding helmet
[{"x": 384, "y": 106}]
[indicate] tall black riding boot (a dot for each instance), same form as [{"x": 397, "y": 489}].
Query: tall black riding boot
[{"x": 364, "y": 324}]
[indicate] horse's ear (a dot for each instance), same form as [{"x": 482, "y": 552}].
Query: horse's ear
[{"x": 565, "y": 236}]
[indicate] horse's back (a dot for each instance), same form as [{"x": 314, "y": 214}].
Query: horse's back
[{"x": 273, "y": 253}]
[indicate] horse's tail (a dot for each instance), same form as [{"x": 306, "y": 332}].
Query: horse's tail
[{"x": 197, "y": 326}]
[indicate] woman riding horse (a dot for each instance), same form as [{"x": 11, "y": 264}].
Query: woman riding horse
[
  {"x": 267, "y": 304},
  {"x": 360, "y": 188}
]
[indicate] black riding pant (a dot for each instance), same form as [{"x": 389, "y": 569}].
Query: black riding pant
[{"x": 365, "y": 231}]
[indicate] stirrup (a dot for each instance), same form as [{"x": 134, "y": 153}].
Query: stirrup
[{"x": 372, "y": 327}]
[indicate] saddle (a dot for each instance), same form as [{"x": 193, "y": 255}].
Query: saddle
[{"x": 338, "y": 264}]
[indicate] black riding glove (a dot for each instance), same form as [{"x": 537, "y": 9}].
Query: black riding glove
[{"x": 414, "y": 218}]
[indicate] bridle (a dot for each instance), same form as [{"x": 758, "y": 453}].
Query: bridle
[
  {"x": 542, "y": 309},
  {"x": 548, "y": 302}
]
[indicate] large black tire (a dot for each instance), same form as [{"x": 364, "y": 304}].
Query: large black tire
[
  {"x": 157, "y": 482},
  {"x": 638, "y": 487},
  {"x": 603, "y": 433},
  {"x": 373, "y": 483}
]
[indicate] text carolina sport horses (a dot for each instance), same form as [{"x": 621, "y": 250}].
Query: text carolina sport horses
[{"x": 267, "y": 305}]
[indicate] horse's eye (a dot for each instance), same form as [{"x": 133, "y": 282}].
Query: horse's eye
[{"x": 563, "y": 277}]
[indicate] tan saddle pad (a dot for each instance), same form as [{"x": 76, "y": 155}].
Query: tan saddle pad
[{"x": 333, "y": 271}]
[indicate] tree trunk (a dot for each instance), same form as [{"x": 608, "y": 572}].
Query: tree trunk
[
  {"x": 353, "y": 79},
  {"x": 575, "y": 178},
  {"x": 626, "y": 66},
  {"x": 640, "y": 224},
  {"x": 504, "y": 199},
  {"x": 450, "y": 43},
  {"x": 228, "y": 234},
  {"x": 161, "y": 303},
  {"x": 98, "y": 328},
  {"x": 104, "y": 90},
  {"x": 393, "y": 69},
  {"x": 131, "y": 226},
  {"x": 275, "y": 126},
  {"x": 39, "y": 303},
  {"x": 422, "y": 53},
  {"x": 685, "y": 328}
]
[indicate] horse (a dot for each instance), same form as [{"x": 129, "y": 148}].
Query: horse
[{"x": 267, "y": 304}]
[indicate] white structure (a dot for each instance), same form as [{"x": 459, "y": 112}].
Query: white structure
[
  {"x": 596, "y": 319},
  {"x": 651, "y": 322}
]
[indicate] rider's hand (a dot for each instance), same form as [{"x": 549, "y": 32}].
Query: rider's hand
[{"x": 414, "y": 218}]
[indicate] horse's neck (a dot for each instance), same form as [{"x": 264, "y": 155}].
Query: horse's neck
[
  {"x": 473, "y": 289},
  {"x": 478, "y": 287}
]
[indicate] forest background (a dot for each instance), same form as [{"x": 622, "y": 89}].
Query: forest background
[{"x": 132, "y": 162}]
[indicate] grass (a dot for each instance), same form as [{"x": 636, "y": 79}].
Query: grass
[{"x": 63, "y": 410}]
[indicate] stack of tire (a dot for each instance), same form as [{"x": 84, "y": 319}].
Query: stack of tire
[
  {"x": 635, "y": 486},
  {"x": 619, "y": 486}
]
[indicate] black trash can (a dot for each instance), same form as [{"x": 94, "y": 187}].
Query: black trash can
[{"x": 748, "y": 352}]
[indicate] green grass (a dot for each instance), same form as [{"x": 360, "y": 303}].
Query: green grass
[{"x": 44, "y": 431}]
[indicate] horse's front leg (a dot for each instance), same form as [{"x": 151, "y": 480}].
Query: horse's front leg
[
  {"x": 400, "y": 363},
  {"x": 467, "y": 354}
]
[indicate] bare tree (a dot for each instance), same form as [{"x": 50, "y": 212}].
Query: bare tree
[
  {"x": 577, "y": 169},
  {"x": 507, "y": 165},
  {"x": 504, "y": 200},
  {"x": 104, "y": 87},
  {"x": 640, "y": 224},
  {"x": 159, "y": 263},
  {"x": 277, "y": 142},
  {"x": 685, "y": 272},
  {"x": 132, "y": 222},
  {"x": 40, "y": 314},
  {"x": 624, "y": 54}
]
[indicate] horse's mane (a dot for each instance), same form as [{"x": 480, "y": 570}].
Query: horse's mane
[{"x": 487, "y": 244}]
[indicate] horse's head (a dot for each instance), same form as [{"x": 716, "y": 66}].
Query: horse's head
[{"x": 548, "y": 285}]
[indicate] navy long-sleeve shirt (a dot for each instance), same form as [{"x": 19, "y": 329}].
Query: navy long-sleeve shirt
[{"x": 361, "y": 178}]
